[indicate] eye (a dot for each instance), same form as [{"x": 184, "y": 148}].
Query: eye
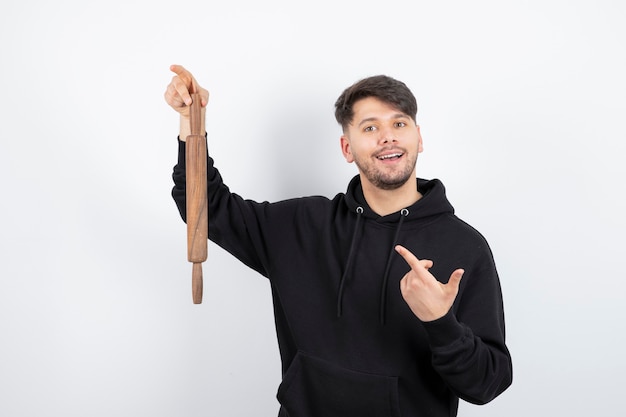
[
  {"x": 400, "y": 124},
  {"x": 369, "y": 129}
]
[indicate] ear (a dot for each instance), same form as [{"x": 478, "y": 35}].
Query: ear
[
  {"x": 345, "y": 149},
  {"x": 420, "y": 145}
]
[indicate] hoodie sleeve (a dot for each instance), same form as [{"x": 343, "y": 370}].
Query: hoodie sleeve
[
  {"x": 468, "y": 344},
  {"x": 233, "y": 221}
]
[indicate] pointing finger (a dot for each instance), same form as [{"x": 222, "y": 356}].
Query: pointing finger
[
  {"x": 178, "y": 69},
  {"x": 412, "y": 260}
]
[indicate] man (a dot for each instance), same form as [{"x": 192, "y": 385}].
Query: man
[{"x": 386, "y": 303}]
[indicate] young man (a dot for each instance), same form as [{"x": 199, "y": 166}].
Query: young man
[{"x": 386, "y": 303}]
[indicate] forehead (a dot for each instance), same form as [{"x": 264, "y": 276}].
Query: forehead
[{"x": 373, "y": 108}]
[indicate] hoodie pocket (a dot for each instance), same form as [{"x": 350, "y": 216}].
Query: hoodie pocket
[{"x": 313, "y": 387}]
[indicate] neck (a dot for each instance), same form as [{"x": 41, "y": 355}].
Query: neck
[{"x": 384, "y": 202}]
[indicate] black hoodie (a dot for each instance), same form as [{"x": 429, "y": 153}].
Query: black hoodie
[{"x": 349, "y": 344}]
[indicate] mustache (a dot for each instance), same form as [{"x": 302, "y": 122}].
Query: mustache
[{"x": 388, "y": 149}]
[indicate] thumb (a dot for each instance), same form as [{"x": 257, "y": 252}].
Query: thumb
[{"x": 455, "y": 278}]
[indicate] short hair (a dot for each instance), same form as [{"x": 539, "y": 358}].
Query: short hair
[{"x": 382, "y": 87}]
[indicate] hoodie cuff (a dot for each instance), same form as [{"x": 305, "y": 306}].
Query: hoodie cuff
[
  {"x": 444, "y": 331},
  {"x": 181, "y": 153}
]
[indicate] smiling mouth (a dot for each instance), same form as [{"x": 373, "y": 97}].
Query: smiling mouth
[{"x": 390, "y": 156}]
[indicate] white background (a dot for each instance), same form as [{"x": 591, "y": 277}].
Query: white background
[{"x": 522, "y": 110}]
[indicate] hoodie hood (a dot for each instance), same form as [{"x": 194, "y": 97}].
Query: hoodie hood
[{"x": 432, "y": 203}]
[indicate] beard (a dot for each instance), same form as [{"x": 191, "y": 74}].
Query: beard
[{"x": 387, "y": 179}]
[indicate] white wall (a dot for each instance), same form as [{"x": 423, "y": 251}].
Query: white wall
[{"x": 522, "y": 113}]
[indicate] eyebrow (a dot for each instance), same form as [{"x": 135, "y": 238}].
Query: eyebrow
[{"x": 373, "y": 119}]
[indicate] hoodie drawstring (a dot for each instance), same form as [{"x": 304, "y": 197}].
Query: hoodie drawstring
[
  {"x": 383, "y": 290},
  {"x": 357, "y": 227}
]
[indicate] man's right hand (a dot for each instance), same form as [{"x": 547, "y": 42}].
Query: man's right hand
[{"x": 178, "y": 96}]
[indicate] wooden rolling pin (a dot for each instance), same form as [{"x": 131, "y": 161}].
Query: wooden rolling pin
[{"x": 197, "y": 204}]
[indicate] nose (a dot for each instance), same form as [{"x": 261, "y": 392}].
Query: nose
[{"x": 387, "y": 135}]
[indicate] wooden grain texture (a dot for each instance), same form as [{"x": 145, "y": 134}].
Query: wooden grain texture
[
  {"x": 197, "y": 202},
  {"x": 196, "y": 283}
]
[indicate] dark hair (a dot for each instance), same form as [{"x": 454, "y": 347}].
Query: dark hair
[{"x": 382, "y": 87}]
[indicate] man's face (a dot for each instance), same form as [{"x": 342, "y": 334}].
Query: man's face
[{"x": 383, "y": 142}]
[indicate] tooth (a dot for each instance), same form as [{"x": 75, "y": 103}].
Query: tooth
[{"x": 390, "y": 156}]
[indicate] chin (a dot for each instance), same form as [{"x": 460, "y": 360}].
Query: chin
[{"x": 390, "y": 184}]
